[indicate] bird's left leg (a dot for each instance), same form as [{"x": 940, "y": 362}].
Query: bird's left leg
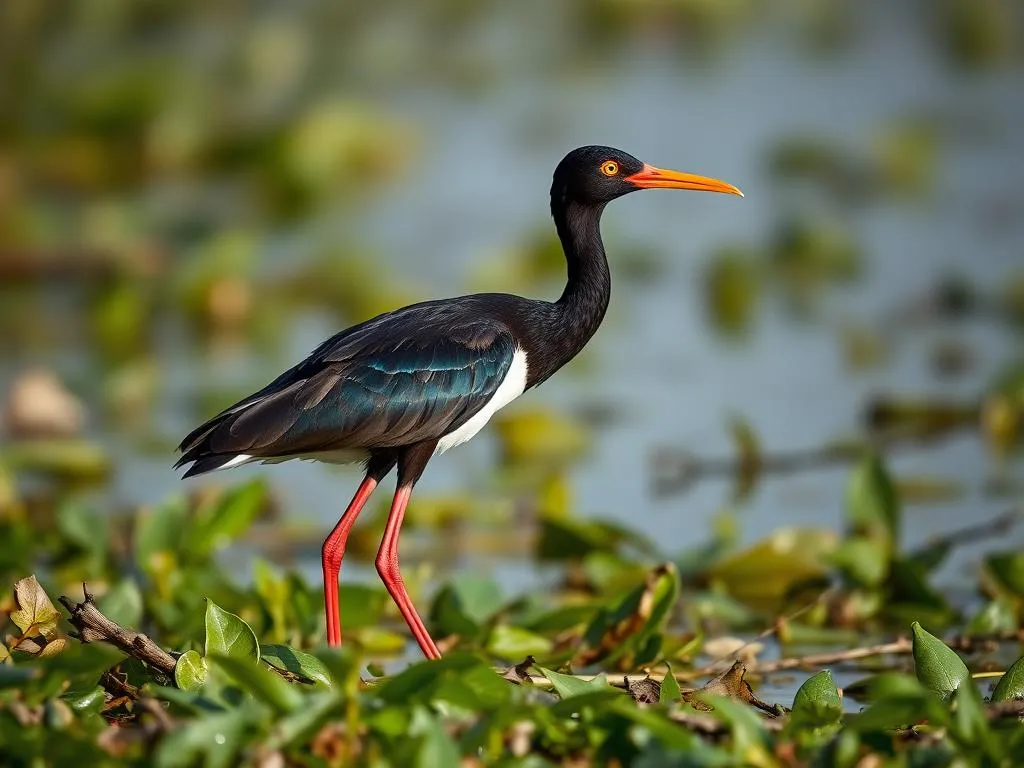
[
  {"x": 410, "y": 467},
  {"x": 334, "y": 545}
]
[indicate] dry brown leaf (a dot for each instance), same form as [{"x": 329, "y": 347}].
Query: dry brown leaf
[
  {"x": 646, "y": 691},
  {"x": 520, "y": 673},
  {"x": 35, "y": 614}
]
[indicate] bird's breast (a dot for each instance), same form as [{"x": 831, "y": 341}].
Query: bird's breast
[{"x": 511, "y": 387}]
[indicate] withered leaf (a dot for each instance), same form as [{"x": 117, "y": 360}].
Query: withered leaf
[
  {"x": 646, "y": 691},
  {"x": 53, "y": 647},
  {"x": 730, "y": 684},
  {"x": 35, "y": 614},
  {"x": 520, "y": 673}
]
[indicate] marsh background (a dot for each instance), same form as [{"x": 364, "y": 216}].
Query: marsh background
[{"x": 194, "y": 194}]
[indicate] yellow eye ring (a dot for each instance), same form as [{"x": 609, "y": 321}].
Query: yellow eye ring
[{"x": 610, "y": 168}]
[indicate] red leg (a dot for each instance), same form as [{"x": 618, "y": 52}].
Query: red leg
[
  {"x": 390, "y": 572},
  {"x": 332, "y": 553}
]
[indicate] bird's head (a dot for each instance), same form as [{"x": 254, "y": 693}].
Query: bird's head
[{"x": 596, "y": 175}]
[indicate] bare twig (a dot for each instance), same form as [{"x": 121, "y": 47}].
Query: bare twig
[
  {"x": 970, "y": 534},
  {"x": 92, "y": 626}
]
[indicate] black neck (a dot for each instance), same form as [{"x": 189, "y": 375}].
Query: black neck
[{"x": 571, "y": 321}]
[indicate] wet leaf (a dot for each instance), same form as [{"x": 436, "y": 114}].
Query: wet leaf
[
  {"x": 35, "y": 614},
  {"x": 938, "y": 667},
  {"x": 228, "y": 635},
  {"x": 190, "y": 671},
  {"x": 1011, "y": 684}
]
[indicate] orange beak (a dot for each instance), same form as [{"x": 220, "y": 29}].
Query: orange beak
[{"x": 656, "y": 178}]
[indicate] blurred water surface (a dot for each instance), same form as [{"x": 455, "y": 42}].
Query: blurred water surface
[{"x": 479, "y": 180}]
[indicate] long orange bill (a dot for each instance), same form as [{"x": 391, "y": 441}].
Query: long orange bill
[{"x": 658, "y": 178}]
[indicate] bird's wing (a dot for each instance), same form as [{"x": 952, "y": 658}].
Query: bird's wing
[{"x": 398, "y": 379}]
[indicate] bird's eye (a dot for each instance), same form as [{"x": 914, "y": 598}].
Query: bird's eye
[{"x": 610, "y": 168}]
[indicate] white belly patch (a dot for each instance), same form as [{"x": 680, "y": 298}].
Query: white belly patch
[{"x": 511, "y": 387}]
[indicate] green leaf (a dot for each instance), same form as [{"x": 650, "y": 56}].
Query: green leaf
[
  {"x": 89, "y": 700},
  {"x": 866, "y": 561},
  {"x": 300, "y": 724},
  {"x": 465, "y": 604},
  {"x": 35, "y": 614},
  {"x": 435, "y": 747},
  {"x": 995, "y": 617},
  {"x": 190, "y": 671},
  {"x": 817, "y": 702},
  {"x": 1008, "y": 569},
  {"x": 670, "y": 692},
  {"x": 228, "y": 635},
  {"x": 1011, "y": 684},
  {"x": 871, "y": 502},
  {"x": 513, "y": 643},
  {"x": 159, "y": 530},
  {"x": 212, "y": 741},
  {"x": 122, "y": 603},
  {"x": 226, "y": 517},
  {"x": 258, "y": 679},
  {"x": 568, "y": 686},
  {"x": 938, "y": 667},
  {"x": 297, "y": 662}
]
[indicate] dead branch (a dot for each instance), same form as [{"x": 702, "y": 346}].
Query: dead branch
[{"x": 93, "y": 627}]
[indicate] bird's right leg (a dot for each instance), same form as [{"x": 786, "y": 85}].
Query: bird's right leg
[{"x": 334, "y": 545}]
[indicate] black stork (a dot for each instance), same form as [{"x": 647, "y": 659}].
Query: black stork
[{"x": 412, "y": 383}]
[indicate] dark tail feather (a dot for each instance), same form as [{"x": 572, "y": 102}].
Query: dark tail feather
[{"x": 204, "y": 464}]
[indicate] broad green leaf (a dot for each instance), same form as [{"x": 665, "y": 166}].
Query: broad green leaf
[
  {"x": 226, "y": 517},
  {"x": 1011, "y": 684},
  {"x": 190, "y": 671},
  {"x": 159, "y": 530},
  {"x": 361, "y": 605},
  {"x": 297, "y": 662},
  {"x": 435, "y": 747},
  {"x": 122, "y": 603},
  {"x": 864, "y": 560},
  {"x": 303, "y": 722},
  {"x": 969, "y": 721},
  {"x": 212, "y": 741},
  {"x": 465, "y": 604},
  {"x": 228, "y": 635},
  {"x": 763, "y": 574},
  {"x": 35, "y": 614},
  {"x": 87, "y": 701},
  {"x": 513, "y": 643},
  {"x": 938, "y": 667},
  {"x": 258, "y": 679},
  {"x": 871, "y": 502},
  {"x": 670, "y": 692},
  {"x": 817, "y": 702},
  {"x": 1008, "y": 569},
  {"x": 995, "y": 617},
  {"x": 568, "y": 686}
]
